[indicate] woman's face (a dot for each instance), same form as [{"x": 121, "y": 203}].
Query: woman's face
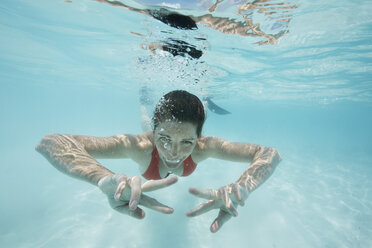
[{"x": 175, "y": 141}]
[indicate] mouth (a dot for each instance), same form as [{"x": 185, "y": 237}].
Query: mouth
[{"x": 172, "y": 163}]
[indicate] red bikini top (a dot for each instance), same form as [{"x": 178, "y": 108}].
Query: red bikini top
[{"x": 152, "y": 172}]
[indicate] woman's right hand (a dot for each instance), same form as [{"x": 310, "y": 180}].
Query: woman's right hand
[{"x": 125, "y": 194}]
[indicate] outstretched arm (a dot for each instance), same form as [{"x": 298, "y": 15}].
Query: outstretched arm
[
  {"x": 73, "y": 155},
  {"x": 263, "y": 160},
  {"x": 227, "y": 198},
  {"x": 262, "y": 167}
]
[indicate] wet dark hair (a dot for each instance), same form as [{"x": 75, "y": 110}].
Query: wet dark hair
[{"x": 180, "y": 105}]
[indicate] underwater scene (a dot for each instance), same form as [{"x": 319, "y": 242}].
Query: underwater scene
[{"x": 292, "y": 75}]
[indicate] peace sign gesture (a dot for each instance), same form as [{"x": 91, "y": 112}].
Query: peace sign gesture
[
  {"x": 226, "y": 198},
  {"x": 125, "y": 194}
]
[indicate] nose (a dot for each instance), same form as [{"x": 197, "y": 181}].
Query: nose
[{"x": 174, "y": 150}]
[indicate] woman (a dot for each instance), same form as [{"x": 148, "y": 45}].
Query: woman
[{"x": 175, "y": 146}]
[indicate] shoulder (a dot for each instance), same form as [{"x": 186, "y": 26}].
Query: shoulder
[
  {"x": 117, "y": 146},
  {"x": 141, "y": 142},
  {"x": 143, "y": 147},
  {"x": 206, "y": 143},
  {"x": 206, "y": 146}
]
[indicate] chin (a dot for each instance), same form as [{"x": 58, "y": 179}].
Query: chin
[{"x": 172, "y": 165}]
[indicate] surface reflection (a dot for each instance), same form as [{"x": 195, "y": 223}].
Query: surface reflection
[{"x": 279, "y": 13}]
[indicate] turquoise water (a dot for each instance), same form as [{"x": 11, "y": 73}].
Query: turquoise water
[{"x": 77, "y": 68}]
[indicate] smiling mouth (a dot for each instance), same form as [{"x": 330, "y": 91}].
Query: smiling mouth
[{"x": 172, "y": 163}]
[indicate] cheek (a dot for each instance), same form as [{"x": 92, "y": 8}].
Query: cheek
[
  {"x": 164, "y": 145},
  {"x": 188, "y": 149},
  {"x": 161, "y": 146}
]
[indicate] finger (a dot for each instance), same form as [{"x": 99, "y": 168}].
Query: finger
[
  {"x": 228, "y": 203},
  {"x": 245, "y": 193},
  {"x": 135, "y": 185},
  {"x": 138, "y": 213},
  {"x": 203, "y": 208},
  {"x": 105, "y": 183},
  {"x": 119, "y": 178},
  {"x": 153, "y": 204},
  {"x": 222, "y": 218},
  {"x": 236, "y": 191},
  {"x": 119, "y": 190},
  {"x": 209, "y": 194},
  {"x": 158, "y": 184}
]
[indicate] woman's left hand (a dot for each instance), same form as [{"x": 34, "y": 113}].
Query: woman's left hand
[{"x": 226, "y": 198}]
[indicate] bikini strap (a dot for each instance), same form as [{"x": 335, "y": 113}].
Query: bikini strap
[{"x": 152, "y": 172}]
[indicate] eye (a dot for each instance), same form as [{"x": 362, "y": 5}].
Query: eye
[
  {"x": 164, "y": 139},
  {"x": 187, "y": 142}
]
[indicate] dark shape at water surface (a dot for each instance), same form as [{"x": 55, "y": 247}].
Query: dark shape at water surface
[
  {"x": 279, "y": 12},
  {"x": 173, "y": 19},
  {"x": 215, "y": 108},
  {"x": 181, "y": 48}
]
